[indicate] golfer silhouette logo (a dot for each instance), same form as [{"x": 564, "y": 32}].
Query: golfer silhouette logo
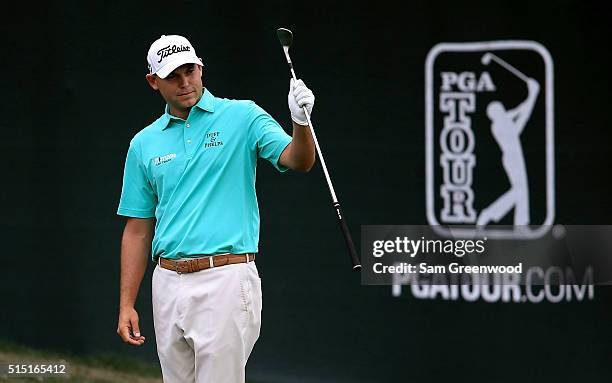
[
  {"x": 506, "y": 127},
  {"x": 471, "y": 113}
]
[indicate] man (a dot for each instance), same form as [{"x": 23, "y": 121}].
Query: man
[
  {"x": 189, "y": 195},
  {"x": 507, "y": 126}
]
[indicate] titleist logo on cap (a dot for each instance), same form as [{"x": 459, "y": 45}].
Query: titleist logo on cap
[{"x": 169, "y": 50}]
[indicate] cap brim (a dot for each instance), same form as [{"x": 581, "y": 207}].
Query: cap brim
[{"x": 164, "y": 71}]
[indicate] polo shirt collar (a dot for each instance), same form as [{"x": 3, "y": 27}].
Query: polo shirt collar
[{"x": 206, "y": 104}]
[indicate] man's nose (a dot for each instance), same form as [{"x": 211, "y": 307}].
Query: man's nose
[{"x": 183, "y": 81}]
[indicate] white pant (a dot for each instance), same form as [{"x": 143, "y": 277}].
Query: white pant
[{"x": 206, "y": 323}]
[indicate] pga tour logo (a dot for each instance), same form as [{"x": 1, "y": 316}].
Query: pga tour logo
[{"x": 489, "y": 137}]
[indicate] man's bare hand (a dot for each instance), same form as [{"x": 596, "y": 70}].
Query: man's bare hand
[{"x": 128, "y": 328}]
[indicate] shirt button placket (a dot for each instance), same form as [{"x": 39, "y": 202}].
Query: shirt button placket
[{"x": 188, "y": 141}]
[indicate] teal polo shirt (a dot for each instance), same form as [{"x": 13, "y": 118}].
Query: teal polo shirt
[{"x": 197, "y": 177}]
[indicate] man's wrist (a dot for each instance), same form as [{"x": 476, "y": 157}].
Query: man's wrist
[
  {"x": 126, "y": 306},
  {"x": 299, "y": 123}
]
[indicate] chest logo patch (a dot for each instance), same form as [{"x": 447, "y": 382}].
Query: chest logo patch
[
  {"x": 163, "y": 159},
  {"x": 212, "y": 139}
]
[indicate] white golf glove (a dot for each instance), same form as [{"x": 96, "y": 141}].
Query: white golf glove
[{"x": 298, "y": 97}]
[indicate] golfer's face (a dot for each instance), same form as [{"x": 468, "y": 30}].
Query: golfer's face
[{"x": 182, "y": 88}]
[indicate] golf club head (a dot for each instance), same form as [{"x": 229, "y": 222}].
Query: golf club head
[
  {"x": 486, "y": 59},
  {"x": 284, "y": 36}
]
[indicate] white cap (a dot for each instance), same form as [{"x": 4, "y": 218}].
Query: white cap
[{"x": 170, "y": 52}]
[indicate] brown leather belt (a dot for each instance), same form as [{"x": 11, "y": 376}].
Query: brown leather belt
[{"x": 188, "y": 265}]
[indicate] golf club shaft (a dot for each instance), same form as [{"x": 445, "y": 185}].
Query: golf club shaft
[
  {"x": 509, "y": 67},
  {"x": 345, "y": 231}
]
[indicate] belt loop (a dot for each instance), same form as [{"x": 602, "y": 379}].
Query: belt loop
[
  {"x": 211, "y": 264},
  {"x": 247, "y": 255}
]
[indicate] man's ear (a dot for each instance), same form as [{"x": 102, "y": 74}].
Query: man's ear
[{"x": 152, "y": 80}]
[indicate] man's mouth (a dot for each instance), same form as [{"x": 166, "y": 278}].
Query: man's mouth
[{"x": 185, "y": 94}]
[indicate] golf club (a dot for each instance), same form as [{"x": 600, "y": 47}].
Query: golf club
[
  {"x": 285, "y": 36},
  {"x": 487, "y": 57}
]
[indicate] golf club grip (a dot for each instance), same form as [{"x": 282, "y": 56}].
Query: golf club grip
[{"x": 347, "y": 238}]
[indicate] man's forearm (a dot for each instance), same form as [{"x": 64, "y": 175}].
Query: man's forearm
[
  {"x": 135, "y": 250},
  {"x": 302, "y": 148}
]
